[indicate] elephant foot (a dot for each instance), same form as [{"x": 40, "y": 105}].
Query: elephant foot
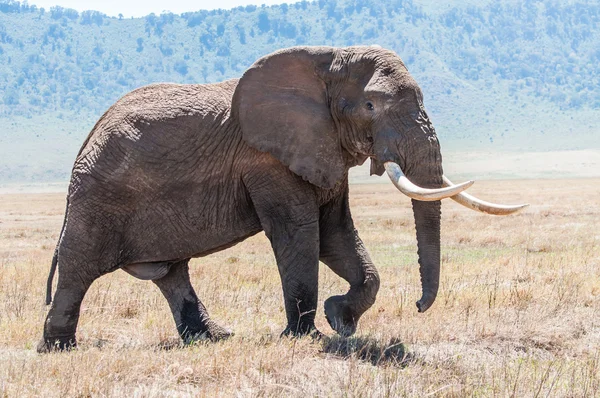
[
  {"x": 302, "y": 331},
  {"x": 339, "y": 316},
  {"x": 47, "y": 345},
  {"x": 213, "y": 333}
]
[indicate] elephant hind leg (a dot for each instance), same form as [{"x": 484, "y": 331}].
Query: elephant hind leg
[
  {"x": 191, "y": 317},
  {"x": 87, "y": 250},
  {"x": 74, "y": 279}
]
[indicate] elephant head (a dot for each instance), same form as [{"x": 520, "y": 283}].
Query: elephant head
[{"x": 322, "y": 110}]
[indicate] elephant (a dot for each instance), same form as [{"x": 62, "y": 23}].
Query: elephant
[{"x": 172, "y": 172}]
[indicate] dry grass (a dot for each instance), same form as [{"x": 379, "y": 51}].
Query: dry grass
[{"x": 517, "y": 314}]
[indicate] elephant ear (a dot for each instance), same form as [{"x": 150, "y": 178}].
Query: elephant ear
[{"x": 282, "y": 106}]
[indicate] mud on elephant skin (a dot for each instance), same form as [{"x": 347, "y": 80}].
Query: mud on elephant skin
[{"x": 171, "y": 172}]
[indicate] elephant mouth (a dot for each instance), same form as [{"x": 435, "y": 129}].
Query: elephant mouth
[{"x": 449, "y": 190}]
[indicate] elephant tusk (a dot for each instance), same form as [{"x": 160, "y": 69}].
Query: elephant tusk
[
  {"x": 485, "y": 207},
  {"x": 416, "y": 192}
]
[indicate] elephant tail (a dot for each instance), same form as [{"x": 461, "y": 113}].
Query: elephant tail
[
  {"x": 55, "y": 260},
  {"x": 51, "y": 277}
]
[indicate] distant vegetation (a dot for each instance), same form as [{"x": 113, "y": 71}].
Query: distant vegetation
[{"x": 479, "y": 66}]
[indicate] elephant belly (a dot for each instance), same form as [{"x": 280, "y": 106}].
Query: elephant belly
[
  {"x": 148, "y": 271},
  {"x": 193, "y": 225}
]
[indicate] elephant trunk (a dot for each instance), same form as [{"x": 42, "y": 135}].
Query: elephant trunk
[
  {"x": 427, "y": 213},
  {"x": 427, "y": 221},
  {"x": 416, "y": 170},
  {"x": 425, "y": 169}
]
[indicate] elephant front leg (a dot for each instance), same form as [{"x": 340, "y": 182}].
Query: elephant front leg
[
  {"x": 297, "y": 259},
  {"x": 191, "y": 317},
  {"x": 343, "y": 251},
  {"x": 288, "y": 211},
  {"x": 352, "y": 263}
]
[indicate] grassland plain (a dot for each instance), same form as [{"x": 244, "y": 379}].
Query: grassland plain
[{"x": 517, "y": 313}]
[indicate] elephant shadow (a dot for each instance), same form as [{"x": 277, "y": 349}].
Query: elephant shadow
[
  {"x": 369, "y": 349},
  {"x": 365, "y": 348}
]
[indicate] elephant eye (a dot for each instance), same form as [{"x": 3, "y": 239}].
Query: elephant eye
[{"x": 369, "y": 105}]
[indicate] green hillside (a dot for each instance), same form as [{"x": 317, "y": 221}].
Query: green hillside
[{"x": 515, "y": 76}]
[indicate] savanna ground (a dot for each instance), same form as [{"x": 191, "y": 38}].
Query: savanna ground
[{"x": 517, "y": 313}]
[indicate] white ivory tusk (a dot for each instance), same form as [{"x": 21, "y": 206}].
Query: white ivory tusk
[
  {"x": 473, "y": 203},
  {"x": 415, "y": 192}
]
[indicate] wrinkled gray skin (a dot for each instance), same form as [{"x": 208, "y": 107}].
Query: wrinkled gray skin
[{"x": 172, "y": 172}]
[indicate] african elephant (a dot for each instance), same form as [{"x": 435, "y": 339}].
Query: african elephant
[{"x": 172, "y": 172}]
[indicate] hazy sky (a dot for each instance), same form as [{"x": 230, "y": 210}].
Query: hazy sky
[{"x": 139, "y": 8}]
